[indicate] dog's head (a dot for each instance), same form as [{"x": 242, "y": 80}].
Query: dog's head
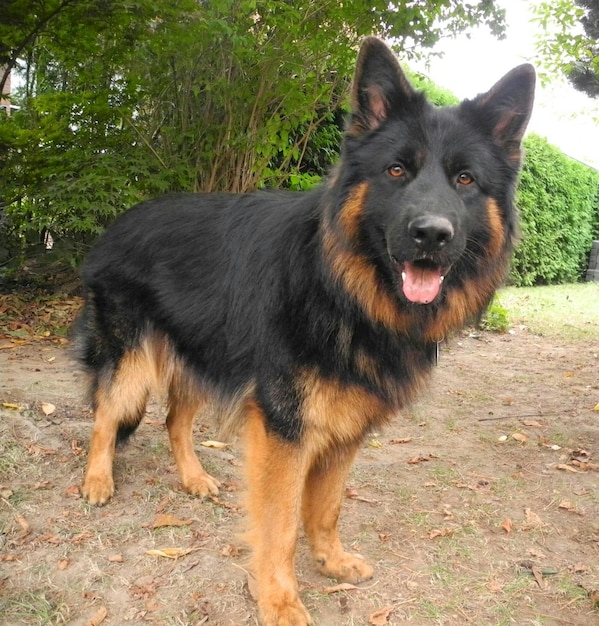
[{"x": 435, "y": 185}]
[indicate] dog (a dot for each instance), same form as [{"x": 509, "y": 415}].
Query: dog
[{"x": 305, "y": 320}]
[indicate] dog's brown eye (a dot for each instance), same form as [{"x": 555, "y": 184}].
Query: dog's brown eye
[
  {"x": 465, "y": 178},
  {"x": 397, "y": 170}
]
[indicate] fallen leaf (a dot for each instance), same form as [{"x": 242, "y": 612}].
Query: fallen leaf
[
  {"x": 381, "y": 617},
  {"x": 5, "y": 492},
  {"x": 213, "y": 444},
  {"x": 38, "y": 450},
  {"x": 171, "y": 553},
  {"x": 521, "y": 437},
  {"x": 98, "y": 617},
  {"x": 73, "y": 491},
  {"x": 339, "y": 587},
  {"x": 567, "y": 468},
  {"x": 352, "y": 494},
  {"x": 48, "y": 408},
  {"x": 76, "y": 449},
  {"x": 532, "y": 423},
  {"x": 401, "y": 440},
  {"x": 569, "y": 506},
  {"x": 375, "y": 443},
  {"x": 566, "y": 504},
  {"x": 63, "y": 564},
  {"x": 579, "y": 568},
  {"x": 507, "y": 525},
  {"x": 580, "y": 455},
  {"x": 596, "y": 408},
  {"x": 116, "y": 558},
  {"x": 164, "y": 519},
  {"x": 418, "y": 459},
  {"x": 12, "y": 405},
  {"x": 24, "y": 524},
  {"x": 441, "y": 532},
  {"x": 532, "y": 520},
  {"x": 585, "y": 467},
  {"x": 230, "y": 550}
]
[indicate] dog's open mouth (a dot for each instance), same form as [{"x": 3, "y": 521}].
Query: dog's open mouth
[{"x": 421, "y": 280}]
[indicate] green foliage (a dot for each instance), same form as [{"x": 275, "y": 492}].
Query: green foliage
[
  {"x": 437, "y": 95},
  {"x": 496, "y": 317},
  {"x": 570, "y": 42},
  {"x": 124, "y": 100},
  {"x": 558, "y": 199}
]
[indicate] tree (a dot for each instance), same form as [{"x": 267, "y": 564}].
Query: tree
[
  {"x": 125, "y": 100},
  {"x": 570, "y": 43}
]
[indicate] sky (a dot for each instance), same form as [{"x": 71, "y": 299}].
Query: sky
[{"x": 566, "y": 117}]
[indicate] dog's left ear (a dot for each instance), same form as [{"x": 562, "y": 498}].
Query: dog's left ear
[
  {"x": 505, "y": 109},
  {"x": 379, "y": 87}
]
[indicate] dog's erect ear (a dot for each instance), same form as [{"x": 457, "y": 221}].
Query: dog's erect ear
[
  {"x": 379, "y": 87},
  {"x": 505, "y": 109}
]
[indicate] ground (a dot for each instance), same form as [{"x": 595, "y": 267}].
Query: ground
[{"x": 478, "y": 505}]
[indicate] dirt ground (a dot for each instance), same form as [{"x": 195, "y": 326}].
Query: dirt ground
[{"x": 478, "y": 505}]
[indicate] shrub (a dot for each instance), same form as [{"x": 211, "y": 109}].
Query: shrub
[{"x": 558, "y": 201}]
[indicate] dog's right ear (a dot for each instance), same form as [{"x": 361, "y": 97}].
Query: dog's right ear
[{"x": 379, "y": 87}]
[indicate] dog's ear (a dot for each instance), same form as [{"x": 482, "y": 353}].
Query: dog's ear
[
  {"x": 504, "y": 111},
  {"x": 379, "y": 87}
]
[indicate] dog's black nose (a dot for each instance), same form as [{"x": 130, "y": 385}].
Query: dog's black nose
[{"x": 430, "y": 232}]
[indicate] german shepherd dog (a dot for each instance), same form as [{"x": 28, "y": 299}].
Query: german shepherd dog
[{"x": 305, "y": 319}]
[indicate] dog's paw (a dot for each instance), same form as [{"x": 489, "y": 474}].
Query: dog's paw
[
  {"x": 201, "y": 484},
  {"x": 97, "y": 489},
  {"x": 345, "y": 567},
  {"x": 290, "y": 614}
]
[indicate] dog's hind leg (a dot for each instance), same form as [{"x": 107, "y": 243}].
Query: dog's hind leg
[
  {"x": 321, "y": 505},
  {"x": 182, "y": 409},
  {"x": 119, "y": 402},
  {"x": 275, "y": 474}
]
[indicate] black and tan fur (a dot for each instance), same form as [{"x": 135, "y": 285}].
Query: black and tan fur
[{"x": 305, "y": 320}]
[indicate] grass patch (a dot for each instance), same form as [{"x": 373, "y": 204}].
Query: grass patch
[
  {"x": 32, "y": 607},
  {"x": 567, "y": 311}
]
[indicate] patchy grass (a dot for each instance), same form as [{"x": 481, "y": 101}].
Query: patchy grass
[{"x": 567, "y": 311}]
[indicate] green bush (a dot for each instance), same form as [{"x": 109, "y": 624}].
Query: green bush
[
  {"x": 496, "y": 318},
  {"x": 558, "y": 201}
]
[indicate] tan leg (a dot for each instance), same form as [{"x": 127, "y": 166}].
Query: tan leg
[
  {"x": 321, "y": 506},
  {"x": 98, "y": 484},
  {"x": 276, "y": 473},
  {"x": 179, "y": 422},
  {"x": 119, "y": 404}
]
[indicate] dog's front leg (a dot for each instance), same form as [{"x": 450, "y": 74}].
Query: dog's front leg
[
  {"x": 276, "y": 472},
  {"x": 321, "y": 505}
]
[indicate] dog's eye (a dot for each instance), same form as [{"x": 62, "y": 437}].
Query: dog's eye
[
  {"x": 397, "y": 170},
  {"x": 465, "y": 178}
]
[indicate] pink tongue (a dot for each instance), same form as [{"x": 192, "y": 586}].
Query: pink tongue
[{"x": 421, "y": 284}]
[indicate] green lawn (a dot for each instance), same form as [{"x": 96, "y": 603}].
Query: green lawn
[{"x": 568, "y": 311}]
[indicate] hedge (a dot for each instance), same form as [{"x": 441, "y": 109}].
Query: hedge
[{"x": 558, "y": 199}]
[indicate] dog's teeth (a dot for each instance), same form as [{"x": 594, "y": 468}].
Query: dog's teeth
[
  {"x": 403, "y": 275},
  {"x": 441, "y": 279}
]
